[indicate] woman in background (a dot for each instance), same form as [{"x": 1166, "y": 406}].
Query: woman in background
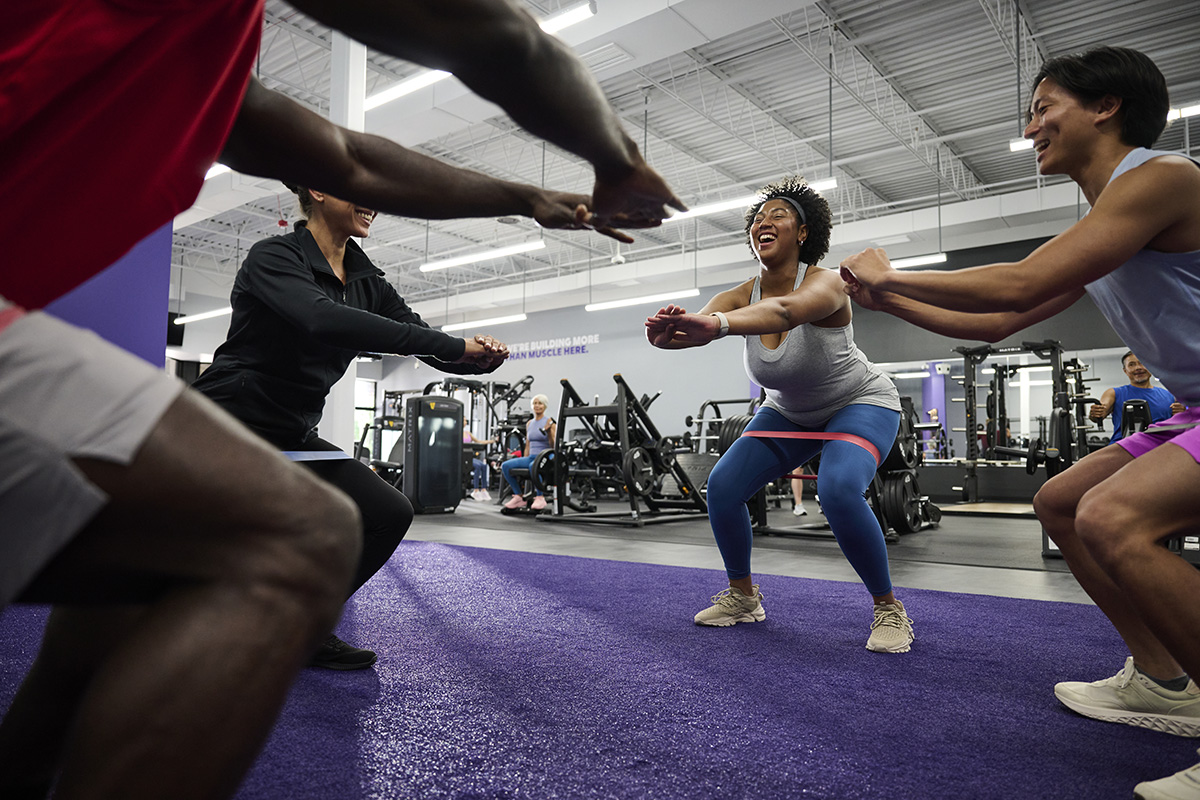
[{"x": 539, "y": 436}]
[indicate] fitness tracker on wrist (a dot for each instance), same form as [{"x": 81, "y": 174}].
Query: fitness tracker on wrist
[{"x": 721, "y": 318}]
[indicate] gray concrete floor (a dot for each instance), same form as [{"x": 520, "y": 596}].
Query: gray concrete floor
[{"x": 975, "y": 555}]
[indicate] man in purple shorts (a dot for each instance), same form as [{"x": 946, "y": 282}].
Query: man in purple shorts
[{"x": 1093, "y": 117}]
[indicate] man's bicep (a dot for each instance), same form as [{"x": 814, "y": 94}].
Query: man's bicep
[{"x": 1128, "y": 216}]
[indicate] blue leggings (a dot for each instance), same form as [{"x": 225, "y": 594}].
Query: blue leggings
[
  {"x": 522, "y": 462},
  {"x": 845, "y": 473}
]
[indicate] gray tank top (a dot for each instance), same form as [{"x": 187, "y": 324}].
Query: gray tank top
[{"x": 815, "y": 372}]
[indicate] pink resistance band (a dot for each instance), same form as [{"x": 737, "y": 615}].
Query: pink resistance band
[
  {"x": 10, "y": 315},
  {"x": 828, "y": 437}
]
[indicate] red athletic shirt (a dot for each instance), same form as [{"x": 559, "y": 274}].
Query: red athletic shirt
[{"x": 111, "y": 111}]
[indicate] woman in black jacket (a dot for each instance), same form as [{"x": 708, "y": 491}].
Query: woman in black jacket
[{"x": 305, "y": 304}]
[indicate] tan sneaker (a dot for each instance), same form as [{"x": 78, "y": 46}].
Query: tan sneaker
[
  {"x": 1183, "y": 785},
  {"x": 730, "y": 606},
  {"x": 891, "y": 630},
  {"x": 1129, "y": 697}
]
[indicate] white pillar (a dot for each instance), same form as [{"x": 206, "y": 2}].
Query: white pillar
[{"x": 347, "y": 89}]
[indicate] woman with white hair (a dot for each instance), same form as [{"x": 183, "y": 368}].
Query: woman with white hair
[{"x": 539, "y": 436}]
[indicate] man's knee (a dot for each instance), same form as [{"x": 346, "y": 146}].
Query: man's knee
[
  {"x": 1054, "y": 500},
  {"x": 312, "y": 550},
  {"x": 1108, "y": 528}
]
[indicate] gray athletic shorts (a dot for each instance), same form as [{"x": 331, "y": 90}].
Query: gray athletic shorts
[{"x": 64, "y": 393}]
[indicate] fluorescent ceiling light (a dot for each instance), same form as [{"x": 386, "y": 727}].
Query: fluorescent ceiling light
[
  {"x": 1186, "y": 111},
  {"x": 740, "y": 202},
  {"x": 918, "y": 261},
  {"x": 406, "y": 86},
  {"x": 1016, "y": 145},
  {"x": 571, "y": 16},
  {"x": 910, "y": 374},
  {"x": 220, "y": 312},
  {"x": 552, "y": 24},
  {"x": 499, "y": 252},
  {"x": 633, "y": 301},
  {"x": 216, "y": 169},
  {"x": 483, "y": 323},
  {"x": 713, "y": 208}
]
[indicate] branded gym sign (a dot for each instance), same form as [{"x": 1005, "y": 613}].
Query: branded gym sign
[{"x": 553, "y": 348}]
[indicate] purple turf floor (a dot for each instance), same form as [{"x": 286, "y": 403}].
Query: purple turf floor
[{"x": 506, "y": 675}]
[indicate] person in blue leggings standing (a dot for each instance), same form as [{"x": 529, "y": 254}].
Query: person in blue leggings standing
[{"x": 800, "y": 347}]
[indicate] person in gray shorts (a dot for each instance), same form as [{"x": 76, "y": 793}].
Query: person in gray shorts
[{"x": 193, "y": 568}]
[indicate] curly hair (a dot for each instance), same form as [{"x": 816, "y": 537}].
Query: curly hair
[{"x": 816, "y": 211}]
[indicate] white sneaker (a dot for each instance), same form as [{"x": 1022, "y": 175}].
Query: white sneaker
[
  {"x": 474, "y": 494},
  {"x": 483, "y": 495},
  {"x": 799, "y": 511},
  {"x": 1183, "y": 785},
  {"x": 730, "y": 606},
  {"x": 1129, "y": 697},
  {"x": 891, "y": 630}
]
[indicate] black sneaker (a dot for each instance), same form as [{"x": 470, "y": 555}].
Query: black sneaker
[{"x": 336, "y": 654}]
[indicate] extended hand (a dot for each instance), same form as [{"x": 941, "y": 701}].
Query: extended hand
[
  {"x": 1097, "y": 412},
  {"x": 566, "y": 211},
  {"x": 484, "y": 352},
  {"x": 695, "y": 329},
  {"x": 868, "y": 299},
  {"x": 660, "y": 328},
  {"x": 637, "y": 199},
  {"x": 867, "y": 268}
]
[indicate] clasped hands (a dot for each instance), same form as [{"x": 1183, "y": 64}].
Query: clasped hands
[
  {"x": 863, "y": 274},
  {"x": 640, "y": 198},
  {"x": 484, "y": 352},
  {"x": 674, "y": 325}
]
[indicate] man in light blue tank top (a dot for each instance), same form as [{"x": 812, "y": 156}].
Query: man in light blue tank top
[{"x": 1137, "y": 255}]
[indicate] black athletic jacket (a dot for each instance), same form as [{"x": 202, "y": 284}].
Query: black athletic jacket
[{"x": 296, "y": 328}]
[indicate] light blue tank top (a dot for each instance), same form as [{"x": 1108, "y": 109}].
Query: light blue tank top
[
  {"x": 815, "y": 372},
  {"x": 538, "y": 435},
  {"x": 1153, "y": 303}
]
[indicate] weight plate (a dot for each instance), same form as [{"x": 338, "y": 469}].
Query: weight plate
[
  {"x": 731, "y": 430},
  {"x": 1031, "y": 457},
  {"x": 541, "y": 471},
  {"x": 893, "y": 507},
  {"x": 638, "y": 471},
  {"x": 910, "y": 500}
]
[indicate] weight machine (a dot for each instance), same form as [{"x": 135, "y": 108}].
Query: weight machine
[
  {"x": 487, "y": 414},
  {"x": 894, "y": 495},
  {"x": 1058, "y": 446},
  {"x": 620, "y": 447}
]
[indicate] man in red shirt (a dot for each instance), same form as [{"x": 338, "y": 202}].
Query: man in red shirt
[{"x": 193, "y": 568}]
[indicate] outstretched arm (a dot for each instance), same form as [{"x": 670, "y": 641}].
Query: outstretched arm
[
  {"x": 1146, "y": 207},
  {"x": 501, "y": 54},
  {"x": 817, "y": 298},
  {"x": 1100, "y": 410},
  {"x": 958, "y": 324},
  {"x": 276, "y": 137},
  {"x": 661, "y": 328}
]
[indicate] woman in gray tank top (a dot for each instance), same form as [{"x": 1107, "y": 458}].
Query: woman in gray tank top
[{"x": 800, "y": 348}]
